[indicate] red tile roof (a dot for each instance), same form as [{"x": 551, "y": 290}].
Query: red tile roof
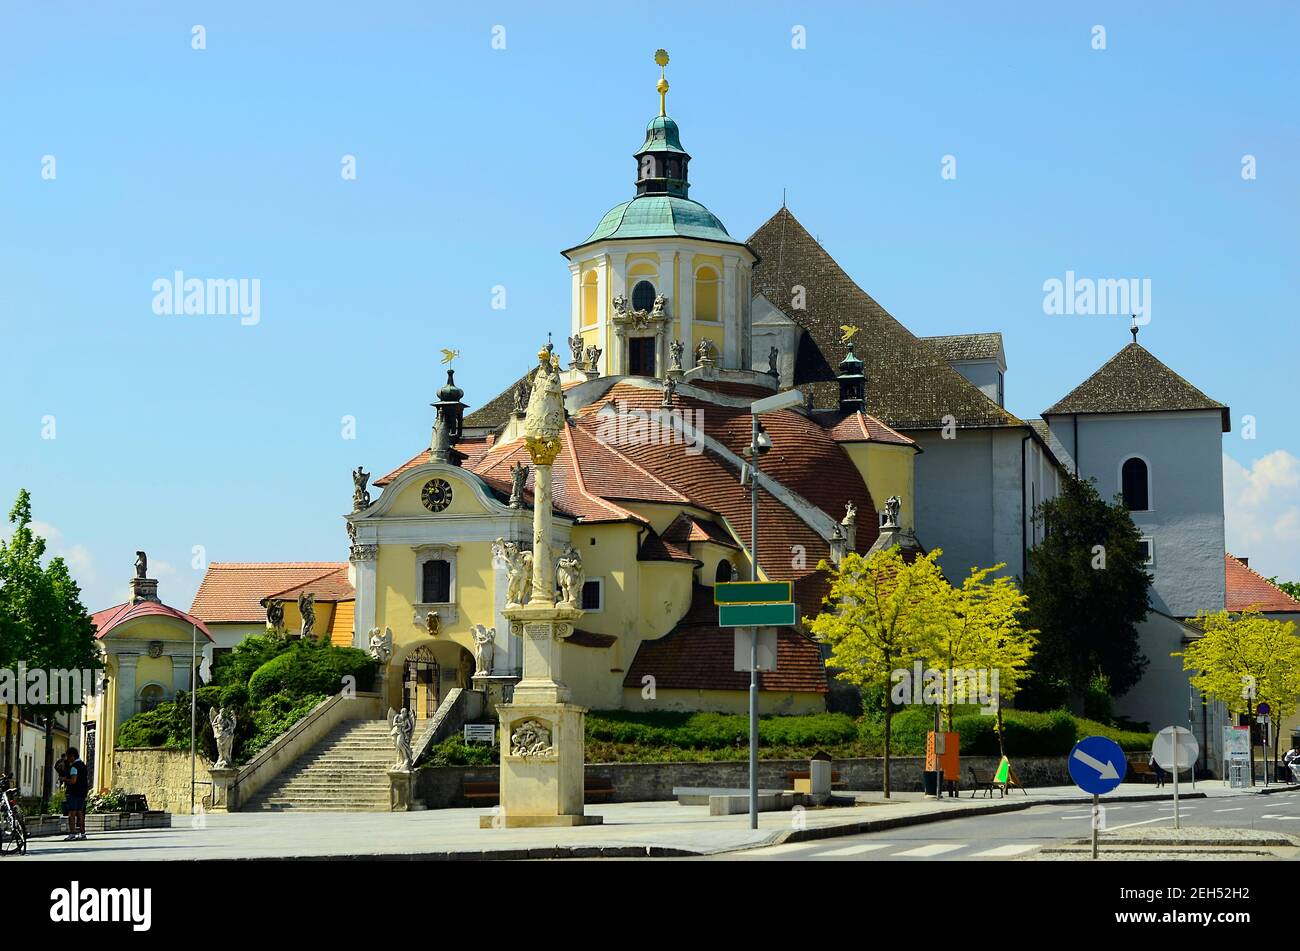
[
  {"x": 862, "y": 427},
  {"x": 233, "y": 591},
  {"x": 699, "y": 655},
  {"x": 686, "y": 529},
  {"x": 473, "y": 449},
  {"x": 1247, "y": 589},
  {"x": 110, "y": 618},
  {"x": 331, "y": 587}
]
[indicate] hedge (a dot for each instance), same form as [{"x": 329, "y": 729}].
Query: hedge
[
  {"x": 688, "y": 730},
  {"x": 311, "y": 670}
]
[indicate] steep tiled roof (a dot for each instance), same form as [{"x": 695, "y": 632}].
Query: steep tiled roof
[
  {"x": 859, "y": 427},
  {"x": 909, "y": 383},
  {"x": 1247, "y": 588},
  {"x": 110, "y": 618},
  {"x": 473, "y": 449},
  {"x": 233, "y": 591},
  {"x": 686, "y": 529},
  {"x": 498, "y": 409},
  {"x": 1134, "y": 381},
  {"x": 699, "y": 655},
  {"x": 958, "y": 348},
  {"x": 656, "y": 547}
]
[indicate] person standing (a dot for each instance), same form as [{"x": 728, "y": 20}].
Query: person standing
[
  {"x": 76, "y": 785},
  {"x": 1160, "y": 771}
]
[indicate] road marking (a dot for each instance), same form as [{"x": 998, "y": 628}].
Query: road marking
[
  {"x": 858, "y": 849},
  {"x": 782, "y": 849},
  {"x": 1015, "y": 848},
  {"x": 935, "y": 848},
  {"x": 1086, "y": 815},
  {"x": 1144, "y": 822},
  {"x": 1233, "y": 809},
  {"x": 1275, "y": 815}
]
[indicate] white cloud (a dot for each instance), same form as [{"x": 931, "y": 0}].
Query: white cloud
[{"x": 1262, "y": 508}]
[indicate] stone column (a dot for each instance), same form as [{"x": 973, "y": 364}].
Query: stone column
[
  {"x": 126, "y": 665},
  {"x": 730, "y": 355},
  {"x": 364, "y": 561}
]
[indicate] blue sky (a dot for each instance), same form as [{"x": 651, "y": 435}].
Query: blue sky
[{"x": 475, "y": 166}]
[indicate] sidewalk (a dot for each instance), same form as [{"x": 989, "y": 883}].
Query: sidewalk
[{"x": 643, "y": 829}]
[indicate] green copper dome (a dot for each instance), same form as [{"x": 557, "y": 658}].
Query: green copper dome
[
  {"x": 660, "y": 216},
  {"x": 662, "y": 135}
]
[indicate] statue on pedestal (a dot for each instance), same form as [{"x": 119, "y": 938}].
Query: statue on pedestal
[
  {"x": 544, "y": 420},
  {"x": 360, "y": 497},
  {"x": 401, "y": 729},
  {"x": 772, "y": 356},
  {"x": 676, "y": 348},
  {"x": 518, "y": 479},
  {"x": 704, "y": 353},
  {"x": 485, "y": 647},
  {"x": 223, "y": 723},
  {"x": 593, "y": 357},
  {"x": 381, "y": 646},
  {"x": 519, "y": 568},
  {"x": 575, "y": 346},
  {"x": 141, "y": 565},
  {"x": 522, "y": 392},
  {"x": 892, "y": 506},
  {"x": 569, "y": 576},
  {"x": 307, "y": 608},
  {"x": 660, "y": 308}
]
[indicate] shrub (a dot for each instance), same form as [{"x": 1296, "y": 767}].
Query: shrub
[
  {"x": 687, "y": 730},
  {"x": 235, "y": 696},
  {"x": 1098, "y": 704},
  {"x": 148, "y": 728},
  {"x": 456, "y": 752},
  {"x": 109, "y": 800},
  {"x": 273, "y": 716},
  {"x": 311, "y": 669}
]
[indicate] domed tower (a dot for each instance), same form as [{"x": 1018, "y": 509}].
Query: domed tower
[{"x": 660, "y": 268}]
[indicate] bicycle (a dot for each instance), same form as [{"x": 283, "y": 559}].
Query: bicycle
[{"x": 13, "y": 831}]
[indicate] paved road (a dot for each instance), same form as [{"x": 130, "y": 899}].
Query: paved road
[{"x": 1011, "y": 835}]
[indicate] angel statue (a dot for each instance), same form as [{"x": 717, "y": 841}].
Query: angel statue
[
  {"x": 223, "y": 723},
  {"x": 307, "y": 608},
  {"x": 360, "y": 497},
  {"x": 568, "y": 575},
  {"x": 401, "y": 727},
  {"x": 593, "y": 357},
  {"x": 381, "y": 646},
  {"x": 275, "y": 615},
  {"x": 519, "y": 569},
  {"x": 675, "y": 347},
  {"x": 485, "y": 648},
  {"x": 575, "y": 345}
]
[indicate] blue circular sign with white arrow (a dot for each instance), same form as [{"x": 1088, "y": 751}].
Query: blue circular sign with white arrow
[{"x": 1097, "y": 765}]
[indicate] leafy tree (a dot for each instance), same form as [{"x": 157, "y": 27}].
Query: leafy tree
[
  {"x": 882, "y": 613},
  {"x": 1243, "y": 660},
  {"x": 45, "y": 625},
  {"x": 1087, "y": 588},
  {"x": 984, "y": 633}
]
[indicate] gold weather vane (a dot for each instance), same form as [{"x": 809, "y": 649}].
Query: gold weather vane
[
  {"x": 449, "y": 355},
  {"x": 661, "y": 58},
  {"x": 847, "y": 333}
]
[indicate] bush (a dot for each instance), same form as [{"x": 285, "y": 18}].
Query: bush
[
  {"x": 1098, "y": 704},
  {"x": 273, "y": 716},
  {"x": 308, "y": 668},
  {"x": 110, "y": 800},
  {"x": 456, "y": 752},
  {"x": 148, "y": 728},
  {"x": 687, "y": 730}
]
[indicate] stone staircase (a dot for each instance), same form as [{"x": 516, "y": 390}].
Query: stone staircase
[{"x": 345, "y": 772}]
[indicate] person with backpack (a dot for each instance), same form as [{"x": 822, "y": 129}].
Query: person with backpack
[{"x": 76, "y": 784}]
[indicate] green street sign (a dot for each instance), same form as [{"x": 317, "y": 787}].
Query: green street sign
[
  {"x": 753, "y": 592},
  {"x": 757, "y": 615}
]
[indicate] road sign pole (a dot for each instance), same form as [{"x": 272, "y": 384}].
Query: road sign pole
[
  {"x": 753, "y": 644},
  {"x": 1095, "y": 800},
  {"x": 1175, "y": 778}
]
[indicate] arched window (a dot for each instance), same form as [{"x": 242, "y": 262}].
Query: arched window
[
  {"x": 1135, "y": 484},
  {"x": 724, "y": 572},
  {"x": 590, "y": 298},
  {"x": 707, "y": 292},
  {"x": 643, "y": 296}
]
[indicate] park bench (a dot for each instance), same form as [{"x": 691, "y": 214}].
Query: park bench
[
  {"x": 1141, "y": 771},
  {"x": 981, "y": 779}
]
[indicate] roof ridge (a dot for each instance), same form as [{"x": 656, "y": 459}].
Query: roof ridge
[
  {"x": 628, "y": 459},
  {"x": 582, "y": 483}
]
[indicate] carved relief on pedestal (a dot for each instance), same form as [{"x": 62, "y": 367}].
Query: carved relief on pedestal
[{"x": 531, "y": 737}]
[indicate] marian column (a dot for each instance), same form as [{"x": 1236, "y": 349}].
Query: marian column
[{"x": 541, "y": 731}]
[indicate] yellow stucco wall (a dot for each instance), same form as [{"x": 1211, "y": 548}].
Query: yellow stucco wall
[{"x": 887, "y": 470}]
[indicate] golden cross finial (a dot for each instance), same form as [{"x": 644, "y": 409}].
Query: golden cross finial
[{"x": 661, "y": 58}]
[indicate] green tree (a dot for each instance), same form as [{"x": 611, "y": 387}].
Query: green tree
[
  {"x": 984, "y": 633},
  {"x": 1246, "y": 659},
  {"x": 46, "y": 627},
  {"x": 882, "y": 613},
  {"x": 1087, "y": 588}
]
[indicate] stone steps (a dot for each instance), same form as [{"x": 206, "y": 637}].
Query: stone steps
[{"x": 347, "y": 771}]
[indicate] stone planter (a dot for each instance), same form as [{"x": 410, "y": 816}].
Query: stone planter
[
  {"x": 105, "y": 821},
  {"x": 157, "y": 819}
]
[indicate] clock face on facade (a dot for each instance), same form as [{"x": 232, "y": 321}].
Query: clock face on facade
[{"x": 436, "y": 495}]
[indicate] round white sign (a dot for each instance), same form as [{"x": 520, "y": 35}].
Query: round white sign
[{"x": 1163, "y": 748}]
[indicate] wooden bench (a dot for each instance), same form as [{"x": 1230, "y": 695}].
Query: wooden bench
[
  {"x": 981, "y": 779},
  {"x": 792, "y": 775},
  {"x": 591, "y": 789},
  {"x": 1142, "y": 771}
]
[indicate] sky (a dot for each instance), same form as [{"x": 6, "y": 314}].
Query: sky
[{"x": 1157, "y": 142}]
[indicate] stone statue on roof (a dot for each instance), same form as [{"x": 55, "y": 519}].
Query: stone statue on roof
[
  {"x": 360, "y": 497},
  {"x": 593, "y": 357},
  {"x": 704, "y": 352},
  {"x": 275, "y": 615},
  {"x": 522, "y": 391},
  {"x": 892, "y": 506},
  {"x": 772, "y": 356},
  {"x": 141, "y": 565},
  {"x": 518, "y": 478},
  {"x": 676, "y": 347},
  {"x": 660, "y": 308},
  {"x": 575, "y": 346},
  {"x": 307, "y": 608}
]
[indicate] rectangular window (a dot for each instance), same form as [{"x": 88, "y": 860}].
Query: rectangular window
[
  {"x": 1148, "y": 551},
  {"x": 436, "y": 582},
  {"x": 593, "y": 595}
]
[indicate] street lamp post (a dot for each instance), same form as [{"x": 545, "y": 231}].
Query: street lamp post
[{"x": 759, "y": 443}]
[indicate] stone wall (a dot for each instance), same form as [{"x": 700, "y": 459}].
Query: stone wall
[
  {"x": 441, "y": 787},
  {"x": 163, "y": 776}
]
